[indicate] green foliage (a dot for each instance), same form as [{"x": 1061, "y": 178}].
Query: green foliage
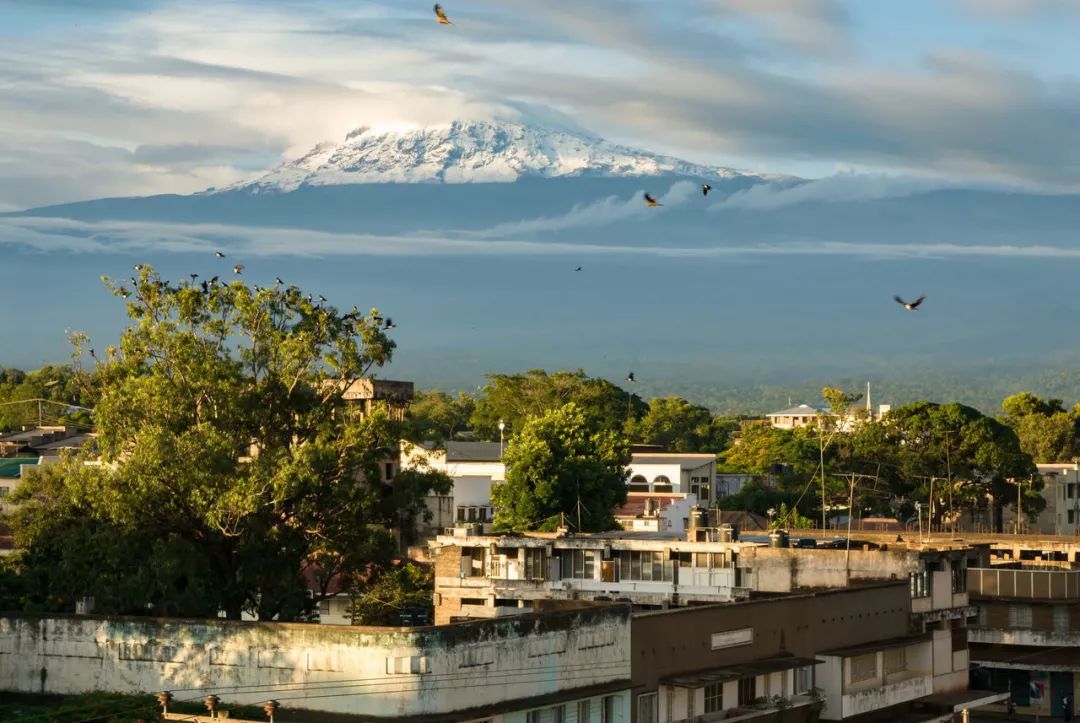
[
  {"x": 61, "y": 385},
  {"x": 1046, "y": 431},
  {"x": 435, "y": 416},
  {"x": 559, "y": 463},
  {"x": 229, "y": 460},
  {"x": 514, "y": 398},
  {"x": 679, "y": 426},
  {"x": 389, "y": 592}
]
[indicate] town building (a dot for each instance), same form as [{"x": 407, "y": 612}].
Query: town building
[
  {"x": 1026, "y": 638},
  {"x": 559, "y": 665},
  {"x": 26, "y": 441},
  {"x": 12, "y": 470},
  {"x": 800, "y": 415},
  {"x": 473, "y": 466},
  {"x": 693, "y": 474},
  {"x": 655, "y": 512},
  {"x": 488, "y": 576}
]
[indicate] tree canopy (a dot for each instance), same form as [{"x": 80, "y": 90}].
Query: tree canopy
[
  {"x": 679, "y": 426},
  {"x": 559, "y": 464},
  {"x": 514, "y": 398},
  {"x": 1046, "y": 430},
  {"x": 229, "y": 468}
]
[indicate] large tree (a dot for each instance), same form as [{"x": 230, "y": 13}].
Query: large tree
[
  {"x": 225, "y": 436},
  {"x": 679, "y": 426},
  {"x": 974, "y": 459},
  {"x": 435, "y": 416},
  {"x": 1046, "y": 430},
  {"x": 513, "y": 398},
  {"x": 559, "y": 465}
]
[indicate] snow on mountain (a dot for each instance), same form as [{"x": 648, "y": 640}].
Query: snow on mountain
[{"x": 470, "y": 152}]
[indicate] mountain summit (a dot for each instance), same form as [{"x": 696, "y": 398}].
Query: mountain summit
[{"x": 470, "y": 152}]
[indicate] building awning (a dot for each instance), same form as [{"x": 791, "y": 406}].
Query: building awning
[
  {"x": 737, "y": 671},
  {"x": 958, "y": 700},
  {"x": 876, "y": 645}
]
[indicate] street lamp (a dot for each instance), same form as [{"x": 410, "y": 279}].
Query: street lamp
[{"x": 502, "y": 426}]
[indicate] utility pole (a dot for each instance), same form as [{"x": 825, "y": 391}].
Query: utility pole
[
  {"x": 1019, "y": 488},
  {"x": 948, "y": 471}
]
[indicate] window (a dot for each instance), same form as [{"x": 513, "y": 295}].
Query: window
[
  {"x": 557, "y": 714},
  {"x": 700, "y": 487},
  {"x": 920, "y": 583},
  {"x": 1019, "y": 616},
  {"x": 747, "y": 691},
  {"x": 584, "y": 711},
  {"x": 578, "y": 564},
  {"x": 895, "y": 660},
  {"x": 1061, "y": 619},
  {"x": 534, "y": 563},
  {"x": 638, "y": 484},
  {"x": 460, "y": 514},
  {"x": 661, "y": 483},
  {"x": 472, "y": 562},
  {"x": 388, "y": 467},
  {"x": 863, "y": 667},
  {"x": 1071, "y": 491},
  {"x": 647, "y": 566},
  {"x": 647, "y": 708},
  {"x": 959, "y": 577},
  {"x": 804, "y": 679},
  {"x": 1071, "y": 513},
  {"x": 714, "y": 697},
  {"x": 609, "y": 707}
]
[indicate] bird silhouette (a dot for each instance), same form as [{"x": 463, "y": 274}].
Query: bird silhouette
[
  {"x": 193, "y": 276},
  {"x": 630, "y": 377},
  {"x": 322, "y": 299},
  {"x": 205, "y": 288},
  {"x": 389, "y": 324},
  {"x": 92, "y": 354},
  {"x": 138, "y": 267},
  {"x": 910, "y": 305},
  {"x": 578, "y": 268},
  {"x": 650, "y": 201},
  {"x": 238, "y": 269},
  {"x": 705, "y": 188},
  {"x": 278, "y": 281},
  {"x": 440, "y": 14},
  {"x": 214, "y": 280},
  {"x": 256, "y": 288}
]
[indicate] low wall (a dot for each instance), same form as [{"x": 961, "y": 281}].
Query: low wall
[{"x": 386, "y": 672}]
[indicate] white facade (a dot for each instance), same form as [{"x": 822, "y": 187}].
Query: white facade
[
  {"x": 1061, "y": 490},
  {"x": 473, "y": 467},
  {"x": 489, "y": 670},
  {"x": 683, "y": 473},
  {"x": 871, "y": 678}
]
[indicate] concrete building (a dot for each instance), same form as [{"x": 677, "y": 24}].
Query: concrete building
[
  {"x": 1061, "y": 490},
  {"x": 561, "y": 665},
  {"x": 1026, "y": 638},
  {"x": 368, "y": 393},
  {"x": 11, "y": 474},
  {"x": 473, "y": 466},
  {"x": 27, "y": 440},
  {"x": 655, "y": 512},
  {"x": 488, "y": 576},
  {"x": 801, "y": 415},
  {"x": 693, "y": 474}
]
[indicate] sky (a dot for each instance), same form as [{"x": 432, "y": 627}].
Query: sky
[
  {"x": 137, "y": 97},
  {"x": 890, "y": 107}
]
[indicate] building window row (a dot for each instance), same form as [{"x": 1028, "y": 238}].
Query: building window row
[
  {"x": 468, "y": 513},
  {"x": 578, "y": 564},
  {"x": 554, "y": 714},
  {"x": 920, "y": 583},
  {"x": 714, "y": 697}
]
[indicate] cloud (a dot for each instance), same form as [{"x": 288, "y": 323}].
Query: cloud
[
  {"x": 598, "y": 213},
  {"x": 837, "y": 188},
  {"x": 715, "y": 80},
  {"x": 56, "y": 235}
]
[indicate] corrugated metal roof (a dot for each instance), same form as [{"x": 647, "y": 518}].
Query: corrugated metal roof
[{"x": 472, "y": 452}]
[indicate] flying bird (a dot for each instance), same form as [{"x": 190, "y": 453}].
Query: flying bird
[
  {"x": 278, "y": 281},
  {"x": 650, "y": 201},
  {"x": 910, "y": 305},
  {"x": 205, "y": 288},
  {"x": 322, "y": 298},
  {"x": 193, "y": 276},
  {"x": 578, "y": 268},
  {"x": 219, "y": 254},
  {"x": 441, "y": 15},
  {"x": 630, "y": 377},
  {"x": 214, "y": 280},
  {"x": 390, "y": 324},
  {"x": 705, "y": 188},
  {"x": 238, "y": 269},
  {"x": 138, "y": 267}
]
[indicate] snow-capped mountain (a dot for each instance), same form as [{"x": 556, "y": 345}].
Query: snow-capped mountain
[{"x": 471, "y": 152}]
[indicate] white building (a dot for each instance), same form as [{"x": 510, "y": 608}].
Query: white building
[
  {"x": 804, "y": 415},
  {"x": 533, "y": 667},
  {"x": 473, "y": 466},
  {"x": 655, "y": 512},
  {"x": 656, "y": 472},
  {"x": 1061, "y": 489}
]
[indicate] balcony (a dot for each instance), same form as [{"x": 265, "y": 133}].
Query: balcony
[
  {"x": 797, "y": 709},
  {"x": 1019, "y": 584},
  {"x": 901, "y": 689}
]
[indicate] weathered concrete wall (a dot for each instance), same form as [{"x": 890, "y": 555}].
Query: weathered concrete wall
[
  {"x": 788, "y": 569},
  {"x": 387, "y": 672}
]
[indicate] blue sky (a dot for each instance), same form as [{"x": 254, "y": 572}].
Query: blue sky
[{"x": 134, "y": 97}]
